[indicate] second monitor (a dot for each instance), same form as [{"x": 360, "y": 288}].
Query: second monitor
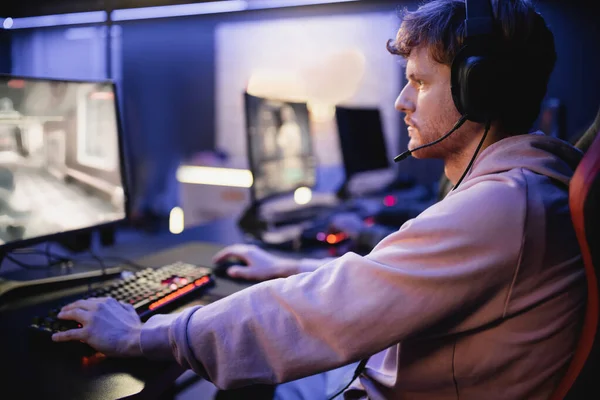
[
  {"x": 279, "y": 147},
  {"x": 361, "y": 139},
  {"x": 362, "y": 143}
]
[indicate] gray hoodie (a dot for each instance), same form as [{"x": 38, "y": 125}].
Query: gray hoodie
[{"x": 479, "y": 297}]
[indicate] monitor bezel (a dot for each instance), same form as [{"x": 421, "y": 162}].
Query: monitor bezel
[
  {"x": 351, "y": 172},
  {"x": 17, "y": 244},
  {"x": 274, "y": 196}
]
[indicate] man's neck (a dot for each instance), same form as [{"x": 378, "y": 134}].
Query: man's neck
[{"x": 456, "y": 164}]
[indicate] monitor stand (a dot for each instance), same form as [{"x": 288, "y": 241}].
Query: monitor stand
[
  {"x": 343, "y": 192},
  {"x": 250, "y": 221}
]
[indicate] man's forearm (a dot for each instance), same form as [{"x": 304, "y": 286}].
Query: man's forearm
[{"x": 310, "y": 264}]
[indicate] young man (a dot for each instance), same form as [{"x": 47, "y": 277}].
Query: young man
[{"x": 480, "y": 296}]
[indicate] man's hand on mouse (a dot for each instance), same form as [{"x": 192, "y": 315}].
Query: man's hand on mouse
[
  {"x": 261, "y": 265},
  {"x": 111, "y": 327}
]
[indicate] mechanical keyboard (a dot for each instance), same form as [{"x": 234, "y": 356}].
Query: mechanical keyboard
[{"x": 149, "y": 291}]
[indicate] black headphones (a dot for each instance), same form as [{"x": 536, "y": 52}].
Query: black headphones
[{"x": 475, "y": 70}]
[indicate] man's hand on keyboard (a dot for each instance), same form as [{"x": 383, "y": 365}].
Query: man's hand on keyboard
[{"x": 111, "y": 327}]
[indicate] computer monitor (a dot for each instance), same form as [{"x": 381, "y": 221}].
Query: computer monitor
[
  {"x": 361, "y": 139},
  {"x": 280, "y": 148},
  {"x": 61, "y": 161}
]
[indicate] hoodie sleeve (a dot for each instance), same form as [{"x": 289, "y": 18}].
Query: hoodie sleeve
[{"x": 448, "y": 270}]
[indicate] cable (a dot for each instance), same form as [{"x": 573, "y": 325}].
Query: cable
[
  {"x": 359, "y": 370},
  {"x": 127, "y": 262},
  {"x": 25, "y": 265},
  {"x": 97, "y": 258},
  {"x": 55, "y": 258},
  {"x": 487, "y": 128},
  {"x": 30, "y": 250},
  {"x": 49, "y": 255},
  {"x": 453, "y": 371},
  {"x": 115, "y": 258}
]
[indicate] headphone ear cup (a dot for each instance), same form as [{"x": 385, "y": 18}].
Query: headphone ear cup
[{"x": 473, "y": 77}]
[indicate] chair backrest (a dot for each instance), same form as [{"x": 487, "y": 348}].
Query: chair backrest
[
  {"x": 581, "y": 380},
  {"x": 587, "y": 138}
]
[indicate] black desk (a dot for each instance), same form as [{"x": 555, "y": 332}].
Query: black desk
[{"x": 30, "y": 373}]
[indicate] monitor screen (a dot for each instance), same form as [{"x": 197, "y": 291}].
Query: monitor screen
[
  {"x": 361, "y": 139},
  {"x": 60, "y": 158},
  {"x": 279, "y": 147}
]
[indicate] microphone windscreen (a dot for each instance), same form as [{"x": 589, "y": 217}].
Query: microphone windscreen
[{"x": 402, "y": 156}]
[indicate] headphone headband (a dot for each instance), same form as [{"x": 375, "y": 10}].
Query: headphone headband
[
  {"x": 475, "y": 70},
  {"x": 479, "y": 18}
]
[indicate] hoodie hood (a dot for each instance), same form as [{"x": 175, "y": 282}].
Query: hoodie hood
[{"x": 535, "y": 151}]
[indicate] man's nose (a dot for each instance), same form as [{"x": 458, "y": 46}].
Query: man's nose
[{"x": 404, "y": 102}]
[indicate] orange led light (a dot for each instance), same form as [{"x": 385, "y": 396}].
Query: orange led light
[
  {"x": 187, "y": 288},
  {"x": 171, "y": 296},
  {"x": 93, "y": 359},
  {"x": 201, "y": 281}
]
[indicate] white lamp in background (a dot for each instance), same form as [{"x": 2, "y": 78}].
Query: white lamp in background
[
  {"x": 321, "y": 112},
  {"x": 277, "y": 84},
  {"x": 176, "y": 221},
  {"x": 7, "y": 23},
  {"x": 89, "y": 17},
  {"x": 200, "y": 175},
  {"x": 322, "y": 86},
  {"x": 303, "y": 195},
  {"x": 335, "y": 80}
]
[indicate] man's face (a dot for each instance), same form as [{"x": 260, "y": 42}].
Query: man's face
[{"x": 430, "y": 111}]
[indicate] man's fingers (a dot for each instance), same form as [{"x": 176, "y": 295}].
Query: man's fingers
[
  {"x": 73, "y": 334},
  {"x": 127, "y": 306},
  {"x": 88, "y": 305},
  {"x": 221, "y": 254},
  {"x": 242, "y": 273},
  {"x": 238, "y": 250},
  {"x": 75, "y": 314}
]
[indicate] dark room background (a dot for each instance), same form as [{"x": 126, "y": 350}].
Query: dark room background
[{"x": 166, "y": 72}]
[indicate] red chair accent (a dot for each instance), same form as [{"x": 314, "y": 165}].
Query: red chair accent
[{"x": 581, "y": 378}]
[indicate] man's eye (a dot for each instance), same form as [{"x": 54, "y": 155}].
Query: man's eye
[{"x": 420, "y": 82}]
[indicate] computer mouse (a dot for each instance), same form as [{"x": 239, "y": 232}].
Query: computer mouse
[{"x": 220, "y": 268}]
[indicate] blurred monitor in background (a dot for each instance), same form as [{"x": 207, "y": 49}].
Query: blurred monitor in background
[
  {"x": 279, "y": 147},
  {"x": 361, "y": 139}
]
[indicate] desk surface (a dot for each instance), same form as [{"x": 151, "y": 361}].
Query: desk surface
[{"x": 39, "y": 373}]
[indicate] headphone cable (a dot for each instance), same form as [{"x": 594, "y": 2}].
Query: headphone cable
[
  {"x": 359, "y": 370},
  {"x": 487, "y": 128}
]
